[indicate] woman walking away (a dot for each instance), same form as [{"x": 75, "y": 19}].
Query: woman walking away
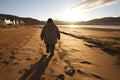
[{"x": 50, "y": 33}]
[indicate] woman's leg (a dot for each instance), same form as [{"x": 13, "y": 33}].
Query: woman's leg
[
  {"x": 47, "y": 48},
  {"x": 52, "y": 48}
]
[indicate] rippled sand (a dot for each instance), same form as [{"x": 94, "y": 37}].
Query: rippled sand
[{"x": 76, "y": 56}]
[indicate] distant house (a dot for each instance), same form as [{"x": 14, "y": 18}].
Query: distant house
[
  {"x": 7, "y": 21},
  {"x": 18, "y": 22}
]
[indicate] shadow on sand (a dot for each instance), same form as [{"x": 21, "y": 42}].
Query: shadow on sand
[{"x": 36, "y": 71}]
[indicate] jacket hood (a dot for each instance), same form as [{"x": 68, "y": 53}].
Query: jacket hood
[{"x": 50, "y": 26}]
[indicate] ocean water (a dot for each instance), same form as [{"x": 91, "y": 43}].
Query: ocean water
[{"x": 91, "y": 26}]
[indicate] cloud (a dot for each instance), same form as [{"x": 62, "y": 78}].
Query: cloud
[{"x": 89, "y": 4}]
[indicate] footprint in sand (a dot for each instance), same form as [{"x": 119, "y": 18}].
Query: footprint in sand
[
  {"x": 12, "y": 57},
  {"x": 91, "y": 45},
  {"x": 82, "y": 73},
  {"x": 28, "y": 59},
  {"x": 74, "y": 50},
  {"x": 69, "y": 70},
  {"x": 86, "y": 62},
  {"x": 5, "y": 62},
  {"x": 59, "y": 77}
]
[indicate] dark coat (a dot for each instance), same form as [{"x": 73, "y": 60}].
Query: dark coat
[{"x": 50, "y": 33}]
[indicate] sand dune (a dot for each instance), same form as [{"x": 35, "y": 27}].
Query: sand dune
[{"x": 22, "y": 55}]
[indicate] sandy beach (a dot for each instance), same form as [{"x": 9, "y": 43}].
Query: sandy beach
[{"x": 81, "y": 54}]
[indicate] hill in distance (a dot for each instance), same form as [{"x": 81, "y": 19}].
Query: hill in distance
[
  {"x": 20, "y": 20},
  {"x": 31, "y": 21},
  {"x": 101, "y": 21}
]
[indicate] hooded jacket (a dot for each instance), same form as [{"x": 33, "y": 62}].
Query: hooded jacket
[{"x": 50, "y": 33}]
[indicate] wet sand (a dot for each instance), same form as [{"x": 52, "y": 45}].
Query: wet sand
[{"x": 76, "y": 57}]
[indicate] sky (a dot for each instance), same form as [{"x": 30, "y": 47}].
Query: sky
[{"x": 66, "y": 10}]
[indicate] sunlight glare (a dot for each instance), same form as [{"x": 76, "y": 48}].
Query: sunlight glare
[{"x": 70, "y": 15}]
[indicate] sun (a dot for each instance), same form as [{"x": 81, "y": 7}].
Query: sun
[{"x": 70, "y": 15}]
